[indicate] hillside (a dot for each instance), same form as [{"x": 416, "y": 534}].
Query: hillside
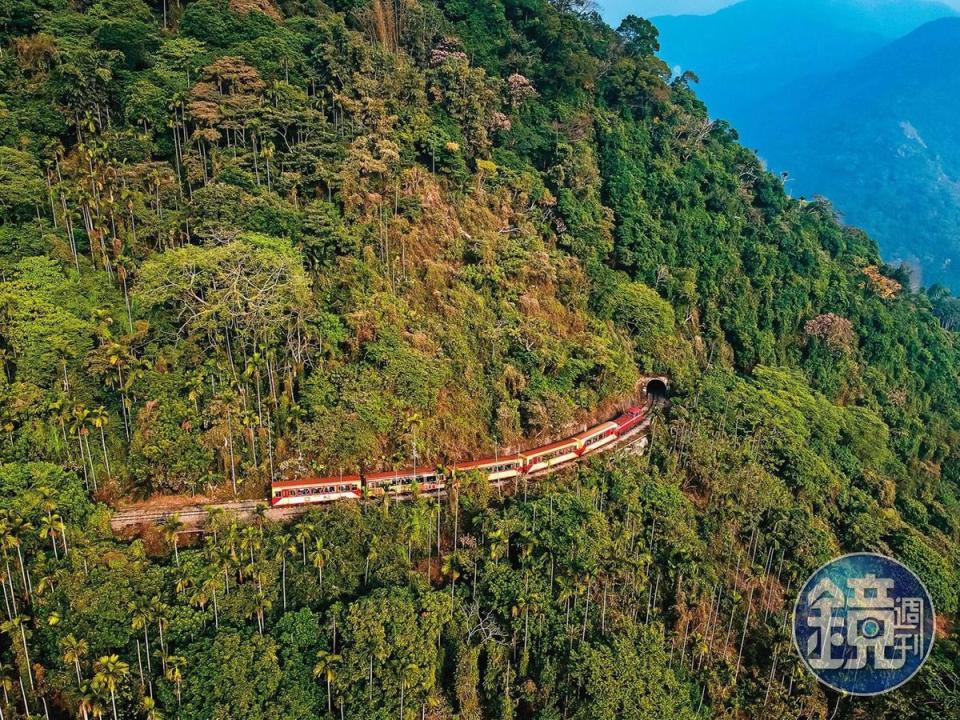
[
  {"x": 251, "y": 240},
  {"x": 878, "y": 140}
]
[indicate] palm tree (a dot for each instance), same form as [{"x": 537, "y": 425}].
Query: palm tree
[
  {"x": 566, "y": 591},
  {"x": 49, "y": 526},
  {"x": 172, "y": 526},
  {"x": 150, "y": 711},
  {"x": 17, "y": 625},
  {"x": 6, "y": 542},
  {"x": 97, "y": 708},
  {"x": 100, "y": 418},
  {"x": 319, "y": 557},
  {"x": 74, "y": 651},
  {"x": 263, "y": 604},
  {"x": 251, "y": 540},
  {"x": 174, "y": 672},
  {"x": 523, "y": 606},
  {"x": 183, "y": 582},
  {"x": 373, "y": 554},
  {"x": 326, "y": 667},
  {"x": 80, "y": 427},
  {"x": 284, "y": 546},
  {"x": 499, "y": 542},
  {"x": 409, "y": 676},
  {"x": 109, "y": 673},
  {"x": 17, "y": 528},
  {"x": 199, "y": 598},
  {"x": 87, "y": 701},
  {"x": 55, "y": 525},
  {"x": 304, "y": 533},
  {"x": 210, "y": 587},
  {"x": 419, "y": 526},
  {"x": 160, "y": 611},
  {"x": 141, "y": 620},
  {"x": 451, "y": 568},
  {"x": 528, "y": 543},
  {"x": 6, "y": 682}
]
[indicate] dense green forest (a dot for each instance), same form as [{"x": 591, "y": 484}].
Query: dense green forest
[{"x": 248, "y": 240}]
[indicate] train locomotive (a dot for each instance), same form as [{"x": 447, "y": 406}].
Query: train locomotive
[{"x": 428, "y": 480}]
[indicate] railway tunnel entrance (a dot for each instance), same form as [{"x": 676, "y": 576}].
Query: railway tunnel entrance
[{"x": 657, "y": 390}]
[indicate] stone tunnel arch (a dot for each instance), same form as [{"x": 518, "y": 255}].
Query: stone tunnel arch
[{"x": 657, "y": 389}]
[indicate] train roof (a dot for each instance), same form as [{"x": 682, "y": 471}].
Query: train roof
[
  {"x": 402, "y": 473},
  {"x": 533, "y": 452},
  {"x": 596, "y": 430},
  {"x": 486, "y": 462},
  {"x": 309, "y": 482}
]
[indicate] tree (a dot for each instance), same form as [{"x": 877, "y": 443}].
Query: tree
[
  {"x": 141, "y": 618},
  {"x": 88, "y": 703},
  {"x": 15, "y": 629},
  {"x": 409, "y": 676},
  {"x": 99, "y": 418},
  {"x": 319, "y": 556},
  {"x": 150, "y": 710},
  {"x": 326, "y": 668},
  {"x": 245, "y": 294},
  {"x": 171, "y": 527},
  {"x": 74, "y": 651},
  {"x": 285, "y": 545},
  {"x": 109, "y": 673},
  {"x": 21, "y": 185},
  {"x": 640, "y": 36},
  {"x": 174, "y": 672}
]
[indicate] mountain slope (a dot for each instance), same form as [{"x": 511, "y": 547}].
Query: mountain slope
[
  {"x": 249, "y": 240},
  {"x": 745, "y": 51},
  {"x": 879, "y": 140}
]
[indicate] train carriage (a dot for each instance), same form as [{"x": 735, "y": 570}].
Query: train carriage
[
  {"x": 402, "y": 481},
  {"x": 315, "y": 490},
  {"x": 425, "y": 479},
  {"x": 596, "y": 437},
  {"x": 630, "y": 420},
  {"x": 545, "y": 457},
  {"x": 496, "y": 469}
]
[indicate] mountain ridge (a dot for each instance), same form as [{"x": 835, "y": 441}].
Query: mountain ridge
[
  {"x": 878, "y": 140},
  {"x": 751, "y": 48}
]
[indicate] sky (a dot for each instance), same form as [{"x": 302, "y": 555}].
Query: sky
[{"x": 614, "y": 11}]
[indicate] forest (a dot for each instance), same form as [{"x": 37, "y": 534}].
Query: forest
[{"x": 253, "y": 240}]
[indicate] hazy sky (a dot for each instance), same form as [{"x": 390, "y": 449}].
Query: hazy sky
[{"x": 614, "y": 10}]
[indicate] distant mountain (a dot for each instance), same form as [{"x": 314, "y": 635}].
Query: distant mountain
[
  {"x": 748, "y": 50},
  {"x": 615, "y": 10},
  {"x": 880, "y": 140}
]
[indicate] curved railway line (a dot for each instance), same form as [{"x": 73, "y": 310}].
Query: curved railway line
[{"x": 194, "y": 516}]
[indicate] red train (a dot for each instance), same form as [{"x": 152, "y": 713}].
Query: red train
[{"x": 428, "y": 480}]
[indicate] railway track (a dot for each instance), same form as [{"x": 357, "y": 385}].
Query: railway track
[{"x": 194, "y": 516}]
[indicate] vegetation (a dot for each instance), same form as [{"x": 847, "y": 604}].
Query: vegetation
[{"x": 249, "y": 240}]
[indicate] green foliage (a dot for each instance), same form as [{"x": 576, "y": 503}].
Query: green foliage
[
  {"x": 21, "y": 185},
  {"x": 629, "y": 679},
  {"x": 243, "y": 241}
]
